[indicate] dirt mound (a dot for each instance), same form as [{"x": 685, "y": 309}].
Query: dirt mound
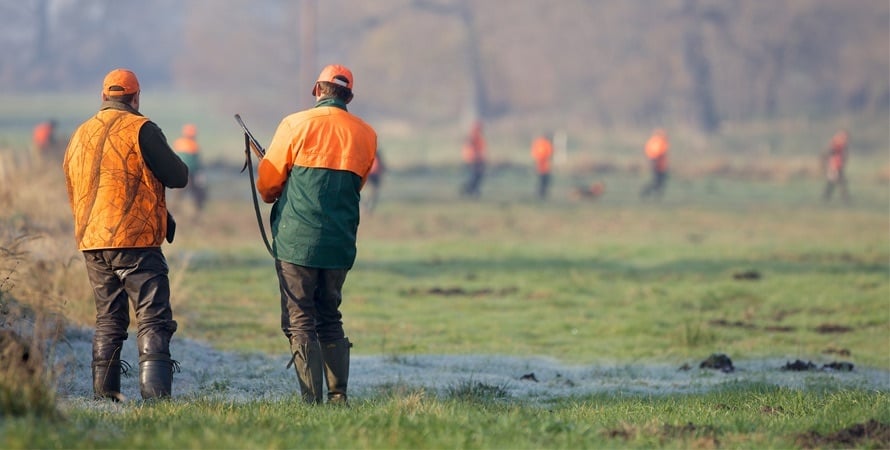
[
  {"x": 719, "y": 362},
  {"x": 801, "y": 366}
]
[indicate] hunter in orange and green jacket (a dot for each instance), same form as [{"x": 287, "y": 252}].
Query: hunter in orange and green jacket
[{"x": 313, "y": 171}]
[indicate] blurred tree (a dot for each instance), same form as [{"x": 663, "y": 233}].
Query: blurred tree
[
  {"x": 699, "y": 65},
  {"x": 634, "y": 62}
]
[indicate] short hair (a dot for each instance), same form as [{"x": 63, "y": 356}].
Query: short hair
[
  {"x": 122, "y": 98},
  {"x": 328, "y": 89}
]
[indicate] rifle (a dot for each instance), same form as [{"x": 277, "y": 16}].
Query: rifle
[{"x": 250, "y": 143}]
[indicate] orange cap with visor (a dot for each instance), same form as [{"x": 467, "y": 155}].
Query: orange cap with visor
[
  {"x": 120, "y": 82},
  {"x": 336, "y": 74}
]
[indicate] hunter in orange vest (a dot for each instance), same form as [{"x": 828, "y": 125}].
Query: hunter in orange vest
[
  {"x": 656, "y": 150},
  {"x": 473, "y": 153},
  {"x": 834, "y": 161},
  {"x": 117, "y": 167},
  {"x": 43, "y": 139},
  {"x": 186, "y": 146},
  {"x": 542, "y": 153}
]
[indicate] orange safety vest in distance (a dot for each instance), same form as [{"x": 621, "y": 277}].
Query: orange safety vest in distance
[
  {"x": 656, "y": 150},
  {"x": 838, "y": 154},
  {"x": 473, "y": 150},
  {"x": 42, "y": 135},
  {"x": 542, "y": 152},
  {"x": 185, "y": 145},
  {"x": 116, "y": 200}
]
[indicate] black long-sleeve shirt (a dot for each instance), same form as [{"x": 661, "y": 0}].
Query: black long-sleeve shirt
[{"x": 163, "y": 162}]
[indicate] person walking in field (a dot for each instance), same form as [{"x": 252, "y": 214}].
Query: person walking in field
[
  {"x": 313, "y": 172},
  {"x": 834, "y": 161},
  {"x": 473, "y": 154},
  {"x": 656, "y": 151},
  {"x": 117, "y": 167},
  {"x": 542, "y": 154},
  {"x": 186, "y": 146},
  {"x": 43, "y": 140}
]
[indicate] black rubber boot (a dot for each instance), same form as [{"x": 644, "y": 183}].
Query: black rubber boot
[
  {"x": 155, "y": 376},
  {"x": 107, "y": 380},
  {"x": 308, "y": 363},
  {"x": 336, "y": 367}
]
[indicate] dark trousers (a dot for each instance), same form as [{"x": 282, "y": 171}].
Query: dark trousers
[
  {"x": 475, "y": 172},
  {"x": 656, "y": 186},
  {"x": 839, "y": 180},
  {"x": 310, "y": 302},
  {"x": 123, "y": 276},
  {"x": 543, "y": 184}
]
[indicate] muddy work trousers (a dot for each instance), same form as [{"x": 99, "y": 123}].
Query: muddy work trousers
[
  {"x": 310, "y": 303},
  {"x": 123, "y": 276}
]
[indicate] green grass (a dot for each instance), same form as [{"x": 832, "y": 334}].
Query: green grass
[
  {"x": 583, "y": 282},
  {"x": 617, "y": 280},
  {"x": 742, "y": 416}
]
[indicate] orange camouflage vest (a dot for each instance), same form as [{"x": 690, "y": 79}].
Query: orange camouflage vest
[{"x": 116, "y": 200}]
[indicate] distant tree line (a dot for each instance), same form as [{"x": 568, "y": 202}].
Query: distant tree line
[{"x": 701, "y": 62}]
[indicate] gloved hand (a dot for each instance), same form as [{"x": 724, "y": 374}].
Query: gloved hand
[{"x": 171, "y": 227}]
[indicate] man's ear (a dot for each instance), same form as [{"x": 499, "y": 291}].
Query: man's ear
[
  {"x": 135, "y": 102},
  {"x": 349, "y": 99}
]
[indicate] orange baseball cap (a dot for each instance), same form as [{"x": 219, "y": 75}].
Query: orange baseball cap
[
  {"x": 336, "y": 74},
  {"x": 120, "y": 82},
  {"x": 189, "y": 130}
]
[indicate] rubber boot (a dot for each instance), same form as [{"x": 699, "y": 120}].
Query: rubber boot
[
  {"x": 336, "y": 367},
  {"x": 107, "y": 380},
  {"x": 308, "y": 363},
  {"x": 155, "y": 376}
]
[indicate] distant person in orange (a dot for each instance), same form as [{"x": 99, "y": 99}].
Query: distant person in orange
[
  {"x": 542, "y": 154},
  {"x": 186, "y": 146},
  {"x": 656, "y": 151},
  {"x": 375, "y": 177},
  {"x": 473, "y": 153},
  {"x": 834, "y": 161},
  {"x": 43, "y": 139}
]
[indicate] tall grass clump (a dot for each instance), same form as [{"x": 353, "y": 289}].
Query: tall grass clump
[
  {"x": 26, "y": 334},
  {"x": 37, "y": 282}
]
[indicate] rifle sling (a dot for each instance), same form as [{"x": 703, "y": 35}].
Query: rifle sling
[{"x": 256, "y": 204}]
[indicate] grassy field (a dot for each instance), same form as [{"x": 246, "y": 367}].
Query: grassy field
[{"x": 749, "y": 267}]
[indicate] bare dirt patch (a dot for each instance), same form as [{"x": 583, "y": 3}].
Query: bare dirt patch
[
  {"x": 860, "y": 434},
  {"x": 456, "y": 291},
  {"x": 828, "y": 328}
]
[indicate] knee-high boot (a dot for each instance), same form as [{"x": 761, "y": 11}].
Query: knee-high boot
[
  {"x": 307, "y": 360},
  {"x": 155, "y": 376},
  {"x": 155, "y": 366},
  {"x": 336, "y": 367},
  {"x": 106, "y": 368},
  {"x": 107, "y": 379}
]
